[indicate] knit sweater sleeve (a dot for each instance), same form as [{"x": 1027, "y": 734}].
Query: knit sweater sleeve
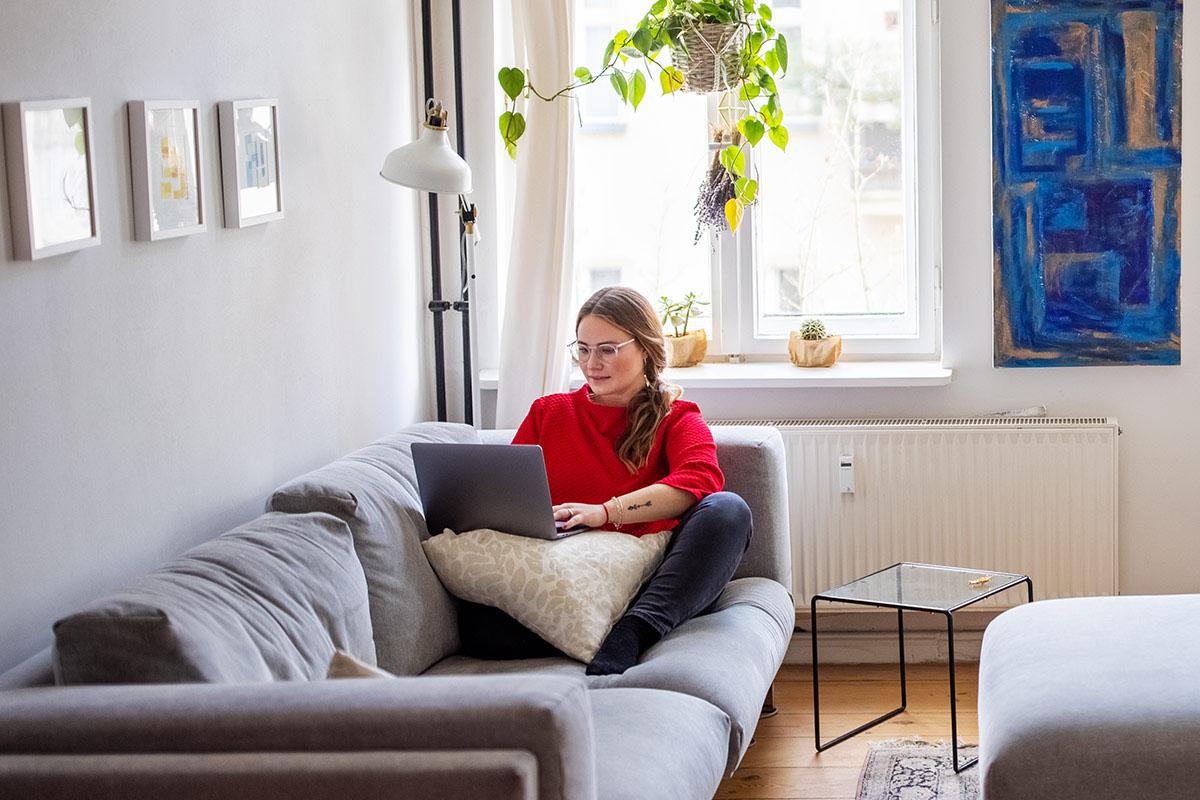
[
  {"x": 528, "y": 432},
  {"x": 691, "y": 455}
]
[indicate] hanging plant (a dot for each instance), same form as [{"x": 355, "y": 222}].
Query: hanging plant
[{"x": 715, "y": 45}]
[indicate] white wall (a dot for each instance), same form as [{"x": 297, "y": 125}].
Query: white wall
[
  {"x": 1160, "y": 448},
  {"x": 153, "y": 394}
]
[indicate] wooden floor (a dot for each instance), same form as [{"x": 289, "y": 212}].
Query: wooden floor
[{"x": 782, "y": 762}]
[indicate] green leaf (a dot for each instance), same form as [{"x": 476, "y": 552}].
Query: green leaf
[
  {"x": 748, "y": 91},
  {"x": 657, "y": 8},
  {"x": 630, "y": 52},
  {"x": 80, "y": 143},
  {"x": 671, "y": 79},
  {"x": 512, "y": 81},
  {"x": 772, "y": 114},
  {"x": 767, "y": 83},
  {"x": 512, "y": 125},
  {"x": 719, "y": 12},
  {"x": 733, "y": 214},
  {"x": 766, "y": 28},
  {"x": 779, "y": 136},
  {"x": 764, "y": 11},
  {"x": 747, "y": 189},
  {"x": 753, "y": 43},
  {"x": 642, "y": 40},
  {"x": 771, "y": 60},
  {"x": 608, "y": 52},
  {"x": 620, "y": 39},
  {"x": 637, "y": 89},
  {"x": 733, "y": 160},
  {"x": 781, "y": 51},
  {"x": 620, "y": 85},
  {"x": 584, "y": 74},
  {"x": 752, "y": 129}
]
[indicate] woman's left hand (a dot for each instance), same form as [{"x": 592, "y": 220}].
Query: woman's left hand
[{"x": 574, "y": 515}]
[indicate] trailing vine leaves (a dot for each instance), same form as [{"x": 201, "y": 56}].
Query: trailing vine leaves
[{"x": 631, "y": 59}]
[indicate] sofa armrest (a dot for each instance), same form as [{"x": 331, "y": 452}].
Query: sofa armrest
[
  {"x": 548, "y": 717},
  {"x": 424, "y": 775}
]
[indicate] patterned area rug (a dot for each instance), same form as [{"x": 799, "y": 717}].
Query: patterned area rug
[{"x": 911, "y": 769}]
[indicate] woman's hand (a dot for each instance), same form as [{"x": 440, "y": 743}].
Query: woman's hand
[{"x": 574, "y": 515}]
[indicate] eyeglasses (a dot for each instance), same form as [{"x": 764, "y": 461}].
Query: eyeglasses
[{"x": 581, "y": 352}]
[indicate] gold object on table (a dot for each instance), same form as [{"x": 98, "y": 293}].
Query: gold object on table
[{"x": 980, "y": 581}]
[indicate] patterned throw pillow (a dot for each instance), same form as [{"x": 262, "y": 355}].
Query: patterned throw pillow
[{"x": 569, "y": 592}]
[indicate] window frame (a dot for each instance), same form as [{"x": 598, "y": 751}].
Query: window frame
[{"x": 917, "y": 334}]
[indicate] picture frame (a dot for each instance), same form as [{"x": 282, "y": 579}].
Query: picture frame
[
  {"x": 250, "y": 162},
  {"x": 51, "y": 165},
  {"x": 166, "y": 156}
]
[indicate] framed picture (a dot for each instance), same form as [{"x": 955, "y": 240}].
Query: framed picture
[
  {"x": 250, "y": 161},
  {"x": 166, "y": 156},
  {"x": 165, "y": 153},
  {"x": 51, "y": 176}
]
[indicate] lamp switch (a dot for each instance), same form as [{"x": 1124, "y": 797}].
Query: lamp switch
[{"x": 846, "y": 474}]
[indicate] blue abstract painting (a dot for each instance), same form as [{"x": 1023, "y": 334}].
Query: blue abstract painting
[{"x": 1086, "y": 102}]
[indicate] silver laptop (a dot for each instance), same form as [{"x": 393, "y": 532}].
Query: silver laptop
[{"x": 499, "y": 486}]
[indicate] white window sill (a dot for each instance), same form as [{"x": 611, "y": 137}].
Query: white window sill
[{"x": 782, "y": 375}]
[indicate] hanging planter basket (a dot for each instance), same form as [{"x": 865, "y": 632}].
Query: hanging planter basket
[{"x": 710, "y": 58}]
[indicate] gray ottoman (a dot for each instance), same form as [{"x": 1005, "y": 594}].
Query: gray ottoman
[{"x": 1092, "y": 699}]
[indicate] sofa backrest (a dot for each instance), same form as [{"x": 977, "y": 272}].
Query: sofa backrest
[
  {"x": 752, "y": 458},
  {"x": 374, "y": 489}
]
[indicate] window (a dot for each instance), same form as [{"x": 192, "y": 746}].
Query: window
[{"x": 845, "y": 227}]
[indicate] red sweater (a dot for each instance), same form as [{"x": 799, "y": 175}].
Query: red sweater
[{"x": 579, "y": 439}]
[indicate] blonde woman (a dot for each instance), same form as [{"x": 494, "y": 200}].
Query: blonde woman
[{"x": 625, "y": 453}]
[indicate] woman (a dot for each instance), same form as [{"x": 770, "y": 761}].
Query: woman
[{"x": 625, "y": 453}]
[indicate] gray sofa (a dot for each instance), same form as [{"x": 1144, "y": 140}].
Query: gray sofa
[
  {"x": 1091, "y": 699},
  {"x": 249, "y": 713}
]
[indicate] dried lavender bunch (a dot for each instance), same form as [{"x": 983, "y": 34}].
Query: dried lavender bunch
[{"x": 716, "y": 190}]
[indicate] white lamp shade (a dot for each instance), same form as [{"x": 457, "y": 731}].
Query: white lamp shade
[{"x": 428, "y": 164}]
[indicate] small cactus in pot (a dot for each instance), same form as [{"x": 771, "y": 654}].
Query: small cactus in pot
[
  {"x": 813, "y": 346},
  {"x": 812, "y": 328}
]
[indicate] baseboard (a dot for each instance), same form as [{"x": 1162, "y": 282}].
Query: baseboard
[{"x": 879, "y": 647}]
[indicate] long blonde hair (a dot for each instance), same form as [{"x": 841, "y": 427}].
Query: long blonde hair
[{"x": 631, "y": 312}]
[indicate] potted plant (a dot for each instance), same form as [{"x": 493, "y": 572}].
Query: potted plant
[
  {"x": 812, "y": 346},
  {"x": 684, "y": 348},
  {"x": 715, "y": 46}
]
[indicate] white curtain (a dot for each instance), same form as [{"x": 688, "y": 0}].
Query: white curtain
[{"x": 537, "y": 315}]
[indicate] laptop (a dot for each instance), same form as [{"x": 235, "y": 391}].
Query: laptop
[{"x": 504, "y": 487}]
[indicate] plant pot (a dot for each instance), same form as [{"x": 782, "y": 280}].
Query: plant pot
[
  {"x": 814, "y": 352},
  {"x": 710, "y": 58},
  {"x": 687, "y": 350}
]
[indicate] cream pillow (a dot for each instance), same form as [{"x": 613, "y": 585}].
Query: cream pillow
[
  {"x": 344, "y": 665},
  {"x": 569, "y": 591}
]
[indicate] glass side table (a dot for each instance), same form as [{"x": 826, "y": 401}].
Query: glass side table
[{"x": 913, "y": 587}]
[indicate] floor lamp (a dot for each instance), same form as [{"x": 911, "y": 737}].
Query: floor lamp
[{"x": 430, "y": 165}]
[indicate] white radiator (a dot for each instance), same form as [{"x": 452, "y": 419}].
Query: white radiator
[{"x": 1036, "y": 496}]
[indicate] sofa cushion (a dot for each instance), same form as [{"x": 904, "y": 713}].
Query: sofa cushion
[
  {"x": 656, "y": 744},
  {"x": 728, "y": 657},
  {"x": 1091, "y": 698},
  {"x": 374, "y": 490},
  {"x": 569, "y": 591},
  {"x": 270, "y": 600}
]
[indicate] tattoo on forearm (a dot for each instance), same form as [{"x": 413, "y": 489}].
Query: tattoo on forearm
[{"x": 636, "y": 506}]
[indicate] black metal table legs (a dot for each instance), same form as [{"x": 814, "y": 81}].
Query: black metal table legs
[{"x": 958, "y": 766}]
